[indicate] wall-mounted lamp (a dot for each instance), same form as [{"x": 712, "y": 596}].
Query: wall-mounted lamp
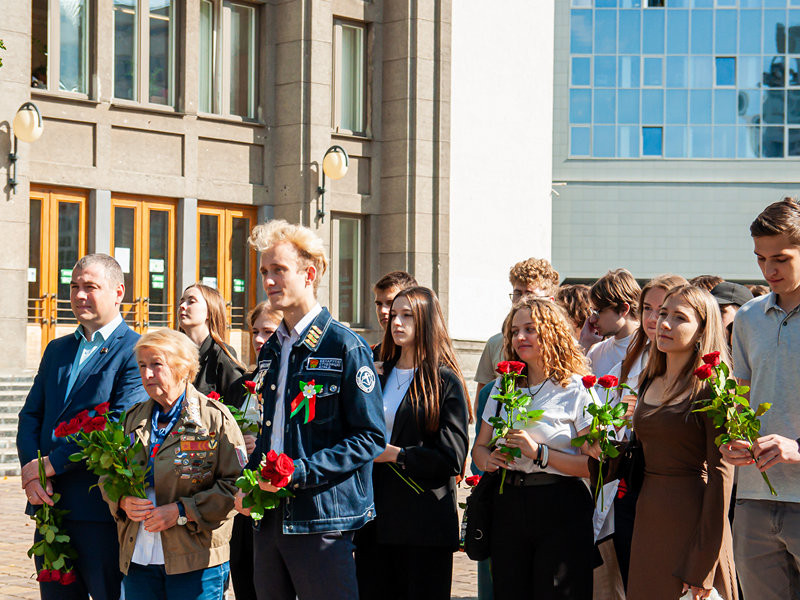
[
  {"x": 334, "y": 164},
  {"x": 27, "y": 126}
]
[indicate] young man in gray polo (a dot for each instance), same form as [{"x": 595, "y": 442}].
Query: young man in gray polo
[{"x": 766, "y": 342}]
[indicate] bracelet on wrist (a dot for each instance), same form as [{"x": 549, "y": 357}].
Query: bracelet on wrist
[{"x": 545, "y": 456}]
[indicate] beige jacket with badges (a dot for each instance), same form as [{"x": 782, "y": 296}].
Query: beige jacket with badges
[{"x": 197, "y": 464}]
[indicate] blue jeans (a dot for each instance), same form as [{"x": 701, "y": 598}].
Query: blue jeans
[{"x": 151, "y": 582}]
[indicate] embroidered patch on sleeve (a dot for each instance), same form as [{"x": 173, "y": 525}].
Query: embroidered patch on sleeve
[
  {"x": 241, "y": 454},
  {"x": 365, "y": 379},
  {"x": 324, "y": 364}
]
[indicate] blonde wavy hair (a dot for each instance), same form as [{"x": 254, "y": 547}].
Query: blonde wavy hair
[
  {"x": 562, "y": 357},
  {"x": 177, "y": 350},
  {"x": 535, "y": 272},
  {"x": 308, "y": 245}
]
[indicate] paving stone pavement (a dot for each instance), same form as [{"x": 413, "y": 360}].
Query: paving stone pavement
[{"x": 16, "y": 534}]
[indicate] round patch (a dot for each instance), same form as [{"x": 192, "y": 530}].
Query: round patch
[{"x": 365, "y": 379}]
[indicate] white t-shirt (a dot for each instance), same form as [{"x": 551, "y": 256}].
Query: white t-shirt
[
  {"x": 604, "y": 355},
  {"x": 564, "y": 416},
  {"x": 395, "y": 388}
]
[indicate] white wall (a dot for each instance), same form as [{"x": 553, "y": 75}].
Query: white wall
[{"x": 501, "y": 154}]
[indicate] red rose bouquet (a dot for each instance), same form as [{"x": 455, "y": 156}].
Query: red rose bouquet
[
  {"x": 53, "y": 545},
  {"x": 607, "y": 418},
  {"x": 514, "y": 403},
  {"x": 727, "y": 408},
  {"x": 275, "y": 469},
  {"x": 108, "y": 452}
]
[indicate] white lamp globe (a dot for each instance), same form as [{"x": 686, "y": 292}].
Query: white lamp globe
[
  {"x": 335, "y": 163},
  {"x": 28, "y": 125}
]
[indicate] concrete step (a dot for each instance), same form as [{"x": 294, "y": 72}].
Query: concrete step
[
  {"x": 8, "y": 430},
  {"x": 9, "y": 418},
  {"x": 8, "y": 455}
]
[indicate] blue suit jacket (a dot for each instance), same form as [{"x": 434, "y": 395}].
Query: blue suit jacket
[{"x": 112, "y": 376}]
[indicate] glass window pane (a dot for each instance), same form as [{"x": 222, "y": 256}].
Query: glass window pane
[
  {"x": 794, "y": 71},
  {"x": 349, "y": 269},
  {"x": 603, "y": 141},
  {"x": 604, "y": 106},
  {"x": 653, "y": 71},
  {"x": 677, "y": 31},
  {"x": 352, "y": 84},
  {"x": 677, "y": 107},
  {"x": 209, "y": 238},
  {"x": 628, "y": 142},
  {"x": 749, "y": 142},
  {"x": 581, "y": 32},
  {"x": 653, "y": 32},
  {"x": 651, "y": 141},
  {"x": 749, "y": 107},
  {"x": 580, "y": 106},
  {"x": 774, "y": 106},
  {"x": 125, "y": 32},
  {"x": 702, "y": 31},
  {"x": 793, "y": 106},
  {"x": 160, "y": 272},
  {"x": 725, "y": 106},
  {"x": 240, "y": 271},
  {"x": 749, "y": 73},
  {"x": 243, "y": 60},
  {"x": 726, "y": 2},
  {"x": 700, "y": 106},
  {"x": 162, "y": 51},
  {"x": 750, "y": 35},
  {"x": 701, "y": 71},
  {"x": 630, "y": 28},
  {"x": 629, "y": 71},
  {"x": 794, "y": 143},
  {"x": 580, "y": 138},
  {"x": 206, "y": 74},
  {"x": 605, "y": 31},
  {"x": 630, "y": 3},
  {"x": 724, "y": 142},
  {"x": 605, "y": 3},
  {"x": 581, "y": 70},
  {"x": 653, "y": 107},
  {"x": 73, "y": 46},
  {"x": 725, "y": 32},
  {"x": 586, "y": 3},
  {"x": 700, "y": 142},
  {"x": 793, "y": 41},
  {"x": 774, "y": 71},
  {"x": 125, "y": 248},
  {"x": 628, "y": 107},
  {"x": 39, "y": 21},
  {"x": 35, "y": 254},
  {"x": 772, "y": 142},
  {"x": 675, "y": 142},
  {"x": 677, "y": 71},
  {"x": 605, "y": 72},
  {"x": 702, "y": 3},
  {"x": 774, "y": 31},
  {"x": 726, "y": 70}
]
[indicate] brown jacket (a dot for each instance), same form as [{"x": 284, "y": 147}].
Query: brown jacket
[{"x": 197, "y": 464}]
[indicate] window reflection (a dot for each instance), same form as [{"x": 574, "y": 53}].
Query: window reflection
[{"x": 125, "y": 49}]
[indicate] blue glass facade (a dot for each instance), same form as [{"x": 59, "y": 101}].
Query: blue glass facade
[{"x": 684, "y": 79}]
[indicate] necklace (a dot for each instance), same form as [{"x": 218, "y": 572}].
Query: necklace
[
  {"x": 404, "y": 381},
  {"x": 539, "y": 389}
]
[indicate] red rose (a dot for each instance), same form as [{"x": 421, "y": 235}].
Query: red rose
[
  {"x": 94, "y": 424},
  {"x": 272, "y": 457},
  {"x": 712, "y": 358},
  {"x": 250, "y": 386},
  {"x": 213, "y": 396},
  {"x": 102, "y": 409},
  {"x": 510, "y": 366},
  {"x": 82, "y": 417},
  {"x": 268, "y": 472},
  {"x": 55, "y": 575},
  {"x": 704, "y": 371},
  {"x": 43, "y": 575},
  {"x": 67, "y": 428},
  {"x": 608, "y": 381},
  {"x": 472, "y": 480},
  {"x": 68, "y": 578},
  {"x": 284, "y": 467},
  {"x": 589, "y": 381}
]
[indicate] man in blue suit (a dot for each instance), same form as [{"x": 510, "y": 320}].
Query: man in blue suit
[{"x": 95, "y": 364}]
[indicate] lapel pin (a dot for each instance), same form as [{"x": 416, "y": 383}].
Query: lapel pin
[{"x": 103, "y": 350}]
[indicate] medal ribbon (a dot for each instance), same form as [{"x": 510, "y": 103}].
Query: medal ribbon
[{"x": 306, "y": 399}]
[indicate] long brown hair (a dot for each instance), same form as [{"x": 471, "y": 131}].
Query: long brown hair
[
  {"x": 432, "y": 350},
  {"x": 711, "y": 338},
  {"x": 217, "y": 322},
  {"x": 640, "y": 342},
  {"x": 562, "y": 357}
]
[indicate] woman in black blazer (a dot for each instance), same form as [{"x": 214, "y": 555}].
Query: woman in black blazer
[{"x": 407, "y": 551}]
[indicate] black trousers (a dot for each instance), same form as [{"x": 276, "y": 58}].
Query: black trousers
[
  {"x": 542, "y": 542},
  {"x": 311, "y": 566},
  {"x": 242, "y": 558},
  {"x": 393, "y": 572},
  {"x": 96, "y": 567},
  {"x": 624, "y": 515}
]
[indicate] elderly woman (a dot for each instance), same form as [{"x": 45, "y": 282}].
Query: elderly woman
[{"x": 174, "y": 543}]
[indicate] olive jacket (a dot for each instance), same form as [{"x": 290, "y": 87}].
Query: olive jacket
[{"x": 197, "y": 463}]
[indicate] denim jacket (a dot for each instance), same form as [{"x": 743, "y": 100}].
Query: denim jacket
[{"x": 333, "y": 453}]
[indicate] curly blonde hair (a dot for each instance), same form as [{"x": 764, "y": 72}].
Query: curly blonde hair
[
  {"x": 562, "y": 357},
  {"x": 535, "y": 272}
]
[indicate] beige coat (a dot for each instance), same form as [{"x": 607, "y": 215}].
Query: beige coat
[{"x": 197, "y": 464}]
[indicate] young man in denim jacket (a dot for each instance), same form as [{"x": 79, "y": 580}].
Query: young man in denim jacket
[{"x": 304, "y": 547}]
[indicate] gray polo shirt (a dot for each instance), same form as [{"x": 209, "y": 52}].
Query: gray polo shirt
[{"x": 766, "y": 348}]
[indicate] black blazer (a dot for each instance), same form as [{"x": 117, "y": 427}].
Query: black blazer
[
  {"x": 217, "y": 371},
  {"x": 433, "y": 460}
]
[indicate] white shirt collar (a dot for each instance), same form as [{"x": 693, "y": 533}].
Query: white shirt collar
[
  {"x": 104, "y": 332},
  {"x": 282, "y": 332}
]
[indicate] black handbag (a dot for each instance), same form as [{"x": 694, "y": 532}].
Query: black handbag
[
  {"x": 478, "y": 516},
  {"x": 629, "y": 465}
]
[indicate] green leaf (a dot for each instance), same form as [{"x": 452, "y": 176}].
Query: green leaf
[
  {"x": 612, "y": 451},
  {"x": 56, "y": 497},
  {"x": 50, "y": 536},
  {"x": 76, "y": 456},
  {"x": 762, "y": 408},
  {"x": 58, "y": 563},
  {"x": 578, "y": 441}
]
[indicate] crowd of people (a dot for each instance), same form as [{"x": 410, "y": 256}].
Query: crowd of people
[{"x": 372, "y": 512}]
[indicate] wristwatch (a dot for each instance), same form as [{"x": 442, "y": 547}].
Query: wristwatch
[
  {"x": 182, "y": 520},
  {"x": 401, "y": 458}
]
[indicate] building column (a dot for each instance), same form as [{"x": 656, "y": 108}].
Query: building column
[
  {"x": 186, "y": 247},
  {"x": 99, "y": 222}
]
